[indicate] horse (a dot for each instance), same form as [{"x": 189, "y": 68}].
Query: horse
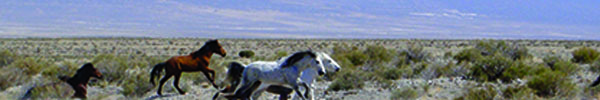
[
  {"x": 257, "y": 76},
  {"x": 596, "y": 82},
  {"x": 308, "y": 77},
  {"x": 195, "y": 61},
  {"x": 78, "y": 82}
]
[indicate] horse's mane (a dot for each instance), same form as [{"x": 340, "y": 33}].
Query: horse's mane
[
  {"x": 85, "y": 69},
  {"x": 205, "y": 47},
  {"x": 297, "y": 57}
]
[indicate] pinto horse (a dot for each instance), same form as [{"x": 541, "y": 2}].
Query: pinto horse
[{"x": 195, "y": 61}]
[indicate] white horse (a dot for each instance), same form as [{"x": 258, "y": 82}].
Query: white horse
[
  {"x": 309, "y": 76},
  {"x": 257, "y": 76}
]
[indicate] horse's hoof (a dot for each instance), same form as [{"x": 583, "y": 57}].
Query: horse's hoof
[{"x": 182, "y": 93}]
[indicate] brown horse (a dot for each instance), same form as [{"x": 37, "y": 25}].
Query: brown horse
[
  {"x": 80, "y": 80},
  {"x": 195, "y": 61}
]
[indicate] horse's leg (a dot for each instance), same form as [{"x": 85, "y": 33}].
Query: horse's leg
[
  {"x": 162, "y": 82},
  {"x": 176, "y": 83},
  {"x": 307, "y": 92},
  {"x": 259, "y": 90},
  {"x": 210, "y": 78},
  {"x": 295, "y": 87}
]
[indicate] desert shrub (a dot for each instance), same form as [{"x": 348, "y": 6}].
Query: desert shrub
[
  {"x": 552, "y": 83},
  {"x": 32, "y": 65},
  {"x": 112, "y": 67},
  {"x": 6, "y": 57},
  {"x": 47, "y": 91},
  {"x": 379, "y": 53},
  {"x": 595, "y": 67},
  {"x": 468, "y": 55},
  {"x": 347, "y": 80},
  {"x": 592, "y": 91},
  {"x": 12, "y": 77},
  {"x": 520, "y": 69},
  {"x": 390, "y": 73},
  {"x": 518, "y": 93},
  {"x": 357, "y": 57},
  {"x": 246, "y": 53},
  {"x": 551, "y": 60},
  {"x": 517, "y": 52},
  {"x": 407, "y": 93},
  {"x": 490, "y": 68},
  {"x": 566, "y": 67},
  {"x": 585, "y": 55},
  {"x": 135, "y": 83},
  {"x": 484, "y": 93},
  {"x": 414, "y": 54}
]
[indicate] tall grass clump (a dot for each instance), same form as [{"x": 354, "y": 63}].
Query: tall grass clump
[{"x": 585, "y": 55}]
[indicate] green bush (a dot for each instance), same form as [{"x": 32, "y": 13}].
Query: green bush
[
  {"x": 135, "y": 83},
  {"x": 566, "y": 67},
  {"x": 595, "y": 67},
  {"x": 468, "y": 55},
  {"x": 379, "y": 53},
  {"x": 112, "y": 67},
  {"x": 12, "y": 77},
  {"x": 490, "y": 68},
  {"x": 585, "y": 55},
  {"x": 551, "y": 60},
  {"x": 52, "y": 91},
  {"x": 6, "y": 57},
  {"x": 357, "y": 57},
  {"x": 32, "y": 65},
  {"x": 389, "y": 73},
  {"x": 520, "y": 69},
  {"x": 552, "y": 83},
  {"x": 414, "y": 54},
  {"x": 348, "y": 80},
  {"x": 407, "y": 93},
  {"x": 484, "y": 93},
  {"x": 246, "y": 53}
]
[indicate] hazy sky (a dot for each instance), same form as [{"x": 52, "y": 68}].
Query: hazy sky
[{"x": 429, "y": 19}]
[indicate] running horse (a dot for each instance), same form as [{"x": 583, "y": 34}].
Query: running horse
[{"x": 195, "y": 61}]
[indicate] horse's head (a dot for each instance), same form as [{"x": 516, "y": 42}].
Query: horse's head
[
  {"x": 216, "y": 47},
  {"x": 329, "y": 64},
  {"x": 89, "y": 71},
  {"x": 305, "y": 59}
]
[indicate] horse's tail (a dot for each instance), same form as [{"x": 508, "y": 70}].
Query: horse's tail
[{"x": 156, "y": 71}]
